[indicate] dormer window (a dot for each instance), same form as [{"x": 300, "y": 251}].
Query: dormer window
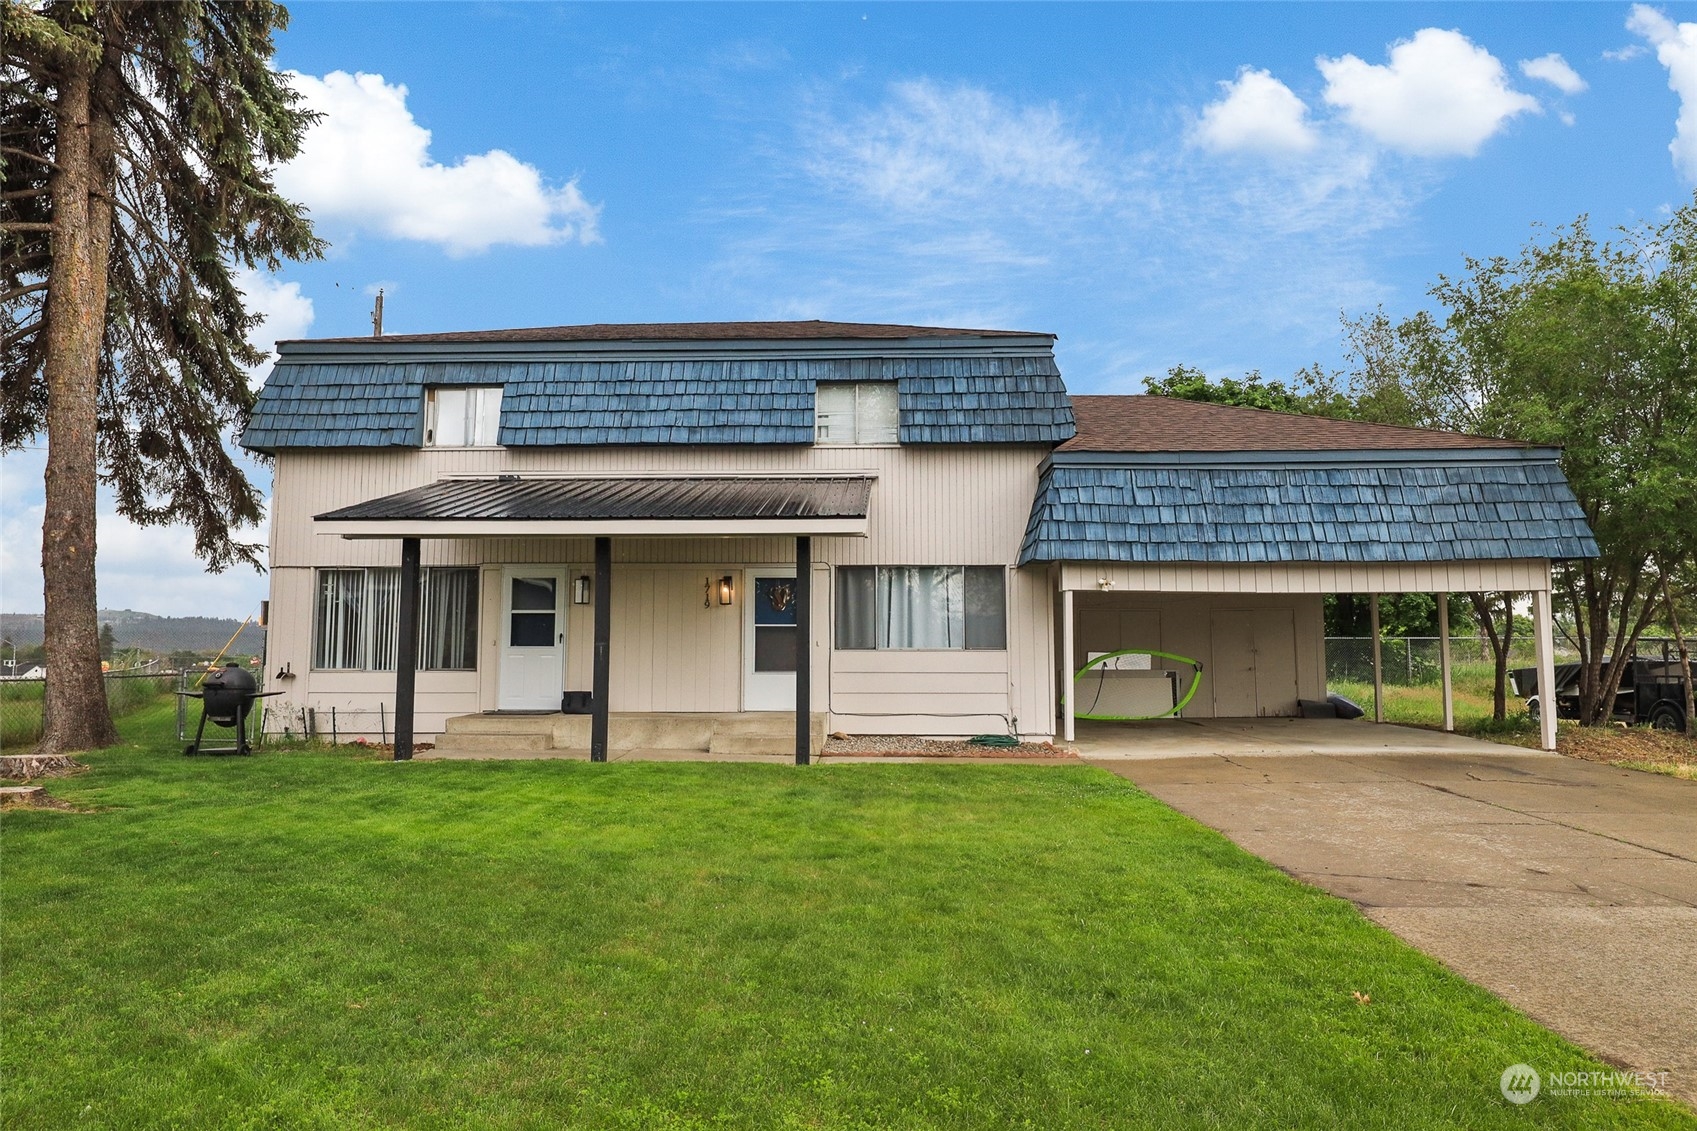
[
  {"x": 466, "y": 417},
  {"x": 859, "y": 414}
]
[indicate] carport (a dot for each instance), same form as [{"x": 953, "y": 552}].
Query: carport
[{"x": 1212, "y": 533}]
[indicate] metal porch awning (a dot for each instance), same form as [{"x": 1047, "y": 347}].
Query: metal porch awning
[{"x": 516, "y": 506}]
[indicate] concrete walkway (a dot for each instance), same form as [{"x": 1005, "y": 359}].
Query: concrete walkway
[{"x": 1566, "y": 887}]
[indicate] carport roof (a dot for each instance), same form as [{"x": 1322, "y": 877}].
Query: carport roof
[
  {"x": 1170, "y": 424},
  {"x": 1320, "y": 507}
]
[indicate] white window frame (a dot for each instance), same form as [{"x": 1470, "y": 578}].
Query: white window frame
[
  {"x": 871, "y": 418},
  {"x": 477, "y": 407}
]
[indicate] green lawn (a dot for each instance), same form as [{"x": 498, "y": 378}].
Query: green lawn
[
  {"x": 307, "y": 939},
  {"x": 1422, "y": 704}
]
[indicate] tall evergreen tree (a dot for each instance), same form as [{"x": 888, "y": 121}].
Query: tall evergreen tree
[{"x": 136, "y": 143}]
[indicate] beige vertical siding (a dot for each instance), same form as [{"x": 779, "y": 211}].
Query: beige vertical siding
[
  {"x": 1103, "y": 622},
  {"x": 931, "y": 506}
]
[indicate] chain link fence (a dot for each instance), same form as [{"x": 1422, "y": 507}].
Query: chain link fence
[
  {"x": 1412, "y": 661},
  {"x": 141, "y": 704}
]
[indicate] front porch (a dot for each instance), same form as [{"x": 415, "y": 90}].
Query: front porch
[{"x": 683, "y": 734}]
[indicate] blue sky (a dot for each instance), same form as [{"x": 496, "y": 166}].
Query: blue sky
[{"x": 1157, "y": 184}]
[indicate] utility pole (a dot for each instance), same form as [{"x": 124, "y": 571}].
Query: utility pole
[{"x": 377, "y": 316}]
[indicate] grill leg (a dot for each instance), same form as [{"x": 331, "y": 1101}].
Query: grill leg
[{"x": 194, "y": 748}]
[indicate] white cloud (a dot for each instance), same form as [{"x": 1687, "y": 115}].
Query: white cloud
[
  {"x": 1553, "y": 69},
  {"x": 367, "y": 163},
  {"x": 1258, "y": 113},
  {"x": 1624, "y": 54},
  {"x": 150, "y": 568},
  {"x": 930, "y": 145},
  {"x": 1676, "y": 49},
  {"x": 285, "y": 313},
  {"x": 1440, "y": 94}
]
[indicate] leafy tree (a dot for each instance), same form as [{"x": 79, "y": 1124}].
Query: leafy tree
[
  {"x": 1585, "y": 345},
  {"x": 139, "y": 139},
  {"x": 108, "y": 642},
  {"x": 1311, "y": 391}
]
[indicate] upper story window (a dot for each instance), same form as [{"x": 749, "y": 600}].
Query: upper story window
[
  {"x": 462, "y": 417},
  {"x": 858, "y": 413}
]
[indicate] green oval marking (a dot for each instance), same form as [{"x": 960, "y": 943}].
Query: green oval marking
[{"x": 1195, "y": 682}]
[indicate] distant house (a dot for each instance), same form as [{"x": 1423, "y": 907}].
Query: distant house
[
  {"x": 23, "y": 669},
  {"x": 627, "y": 520}
]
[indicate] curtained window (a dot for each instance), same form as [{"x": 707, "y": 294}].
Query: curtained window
[
  {"x": 856, "y": 414},
  {"x": 921, "y": 607},
  {"x": 357, "y": 619},
  {"x": 462, "y": 418}
]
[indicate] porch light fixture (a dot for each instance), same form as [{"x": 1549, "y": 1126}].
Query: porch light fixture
[
  {"x": 580, "y": 589},
  {"x": 725, "y": 590}
]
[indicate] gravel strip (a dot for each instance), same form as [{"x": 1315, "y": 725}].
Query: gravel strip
[{"x": 913, "y": 746}]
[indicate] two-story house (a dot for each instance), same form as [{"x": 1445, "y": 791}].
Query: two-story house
[{"x": 739, "y": 536}]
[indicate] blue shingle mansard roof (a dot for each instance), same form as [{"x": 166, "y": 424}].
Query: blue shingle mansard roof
[
  {"x": 955, "y": 387},
  {"x": 1403, "y": 506}
]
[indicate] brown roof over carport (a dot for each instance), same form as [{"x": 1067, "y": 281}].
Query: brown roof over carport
[{"x": 1169, "y": 424}]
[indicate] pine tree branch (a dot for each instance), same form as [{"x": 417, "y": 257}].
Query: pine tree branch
[
  {"x": 25, "y": 227},
  {"x": 20, "y": 334},
  {"x": 28, "y": 156},
  {"x": 20, "y": 292}
]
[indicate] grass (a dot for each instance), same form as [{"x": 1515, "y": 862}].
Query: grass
[
  {"x": 1422, "y": 704},
  {"x": 307, "y": 939}
]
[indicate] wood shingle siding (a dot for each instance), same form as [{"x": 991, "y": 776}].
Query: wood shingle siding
[
  {"x": 314, "y": 400},
  {"x": 1451, "y": 509}
]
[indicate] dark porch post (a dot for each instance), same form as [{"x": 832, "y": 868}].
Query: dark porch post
[
  {"x": 406, "y": 654},
  {"x": 803, "y": 650},
  {"x": 603, "y": 649}
]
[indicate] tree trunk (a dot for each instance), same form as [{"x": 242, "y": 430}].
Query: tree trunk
[
  {"x": 75, "y": 712},
  {"x": 1684, "y": 653},
  {"x": 1500, "y": 644}
]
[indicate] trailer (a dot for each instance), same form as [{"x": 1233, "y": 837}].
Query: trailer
[{"x": 1652, "y": 693}]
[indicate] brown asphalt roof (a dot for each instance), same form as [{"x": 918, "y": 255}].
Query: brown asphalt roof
[
  {"x": 1168, "y": 424},
  {"x": 698, "y": 332}
]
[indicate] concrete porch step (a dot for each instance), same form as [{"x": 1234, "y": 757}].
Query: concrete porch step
[
  {"x": 504, "y": 724},
  {"x": 457, "y": 741},
  {"x": 742, "y": 733},
  {"x": 752, "y": 743}
]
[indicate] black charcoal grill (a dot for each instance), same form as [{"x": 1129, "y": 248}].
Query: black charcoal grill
[{"x": 227, "y": 696}]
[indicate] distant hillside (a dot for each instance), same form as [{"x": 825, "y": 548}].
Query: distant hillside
[{"x": 154, "y": 633}]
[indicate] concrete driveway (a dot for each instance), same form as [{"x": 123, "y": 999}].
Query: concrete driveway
[{"x": 1566, "y": 887}]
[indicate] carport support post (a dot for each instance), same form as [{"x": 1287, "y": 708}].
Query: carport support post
[
  {"x": 603, "y": 679},
  {"x": 803, "y": 650},
  {"x": 406, "y": 654},
  {"x": 1066, "y": 662},
  {"x": 1444, "y": 660},
  {"x": 1543, "y": 631},
  {"x": 1378, "y": 660}
]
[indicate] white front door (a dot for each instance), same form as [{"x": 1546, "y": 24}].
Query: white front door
[
  {"x": 770, "y": 640},
  {"x": 533, "y": 638}
]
